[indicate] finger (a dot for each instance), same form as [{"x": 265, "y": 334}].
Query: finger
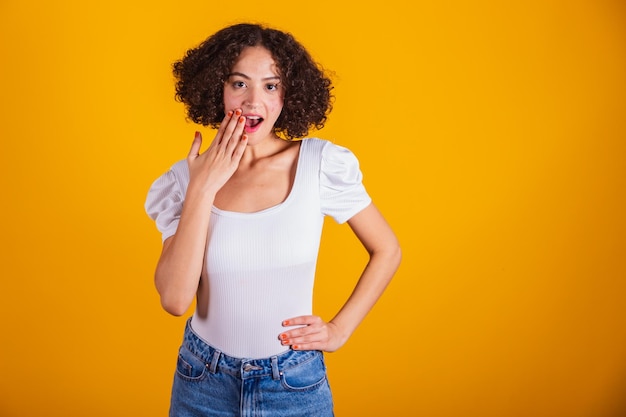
[
  {"x": 301, "y": 320},
  {"x": 237, "y": 120},
  {"x": 316, "y": 342},
  {"x": 300, "y": 344},
  {"x": 287, "y": 338},
  {"x": 195, "y": 145},
  {"x": 220, "y": 131},
  {"x": 235, "y": 140},
  {"x": 307, "y": 333},
  {"x": 309, "y": 346},
  {"x": 240, "y": 148},
  {"x": 304, "y": 334},
  {"x": 307, "y": 325},
  {"x": 307, "y": 337}
]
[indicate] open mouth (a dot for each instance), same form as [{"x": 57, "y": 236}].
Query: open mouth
[{"x": 253, "y": 121}]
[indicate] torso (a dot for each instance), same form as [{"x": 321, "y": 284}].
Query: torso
[
  {"x": 262, "y": 247},
  {"x": 261, "y": 252}
]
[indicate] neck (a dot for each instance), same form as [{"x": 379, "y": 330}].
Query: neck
[{"x": 263, "y": 149}]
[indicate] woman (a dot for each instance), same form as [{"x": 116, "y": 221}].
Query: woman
[{"x": 241, "y": 225}]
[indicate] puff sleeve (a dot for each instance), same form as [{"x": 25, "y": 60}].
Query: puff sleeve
[
  {"x": 342, "y": 193},
  {"x": 164, "y": 202}
]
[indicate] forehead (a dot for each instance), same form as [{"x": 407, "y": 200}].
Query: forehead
[{"x": 255, "y": 59}]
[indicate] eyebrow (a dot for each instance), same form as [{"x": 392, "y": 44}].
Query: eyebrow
[{"x": 240, "y": 74}]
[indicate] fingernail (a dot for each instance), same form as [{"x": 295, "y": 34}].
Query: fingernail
[
  {"x": 244, "y": 137},
  {"x": 238, "y": 112},
  {"x": 285, "y": 342},
  {"x": 283, "y": 336},
  {"x": 296, "y": 347},
  {"x": 242, "y": 119},
  {"x": 197, "y": 134},
  {"x": 230, "y": 113},
  {"x": 286, "y": 323}
]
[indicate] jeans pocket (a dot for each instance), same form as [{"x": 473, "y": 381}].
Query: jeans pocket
[
  {"x": 190, "y": 366},
  {"x": 306, "y": 376}
]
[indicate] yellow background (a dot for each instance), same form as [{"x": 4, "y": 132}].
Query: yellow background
[{"x": 492, "y": 135}]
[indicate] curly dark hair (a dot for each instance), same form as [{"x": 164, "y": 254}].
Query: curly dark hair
[{"x": 201, "y": 74}]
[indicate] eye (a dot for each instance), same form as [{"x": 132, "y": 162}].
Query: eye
[
  {"x": 272, "y": 87},
  {"x": 238, "y": 84}
]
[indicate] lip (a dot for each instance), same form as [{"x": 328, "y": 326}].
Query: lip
[{"x": 252, "y": 129}]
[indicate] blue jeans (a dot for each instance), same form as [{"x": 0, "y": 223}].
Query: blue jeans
[{"x": 210, "y": 383}]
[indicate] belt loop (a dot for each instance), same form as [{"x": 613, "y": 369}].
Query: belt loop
[
  {"x": 214, "y": 360},
  {"x": 275, "y": 372}
]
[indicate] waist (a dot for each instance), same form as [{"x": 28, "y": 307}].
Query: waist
[
  {"x": 242, "y": 313},
  {"x": 243, "y": 368}
]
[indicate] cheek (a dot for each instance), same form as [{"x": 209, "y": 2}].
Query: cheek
[
  {"x": 228, "y": 101},
  {"x": 277, "y": 107},
  {"x": 231, "y": 99}
]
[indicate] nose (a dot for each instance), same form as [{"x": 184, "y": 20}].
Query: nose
[{"x": 252, "y": 97}]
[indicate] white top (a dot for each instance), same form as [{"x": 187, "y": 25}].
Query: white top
[{"x": 259, "y": 267}]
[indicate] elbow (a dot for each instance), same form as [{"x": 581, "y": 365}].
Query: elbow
[
  {"x": 175, "y": 307},
  {"x": 172, "y": 299},
  {"x": 175, "y": 298},
  {"x": 388, "y": 258},
  {"x": 396, "y": 256},
  {"x": 393, "y": 257},
  {"x": 391, "y": 252}
]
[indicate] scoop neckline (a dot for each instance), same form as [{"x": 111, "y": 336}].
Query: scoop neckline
[{"x": 268, "y": 210}]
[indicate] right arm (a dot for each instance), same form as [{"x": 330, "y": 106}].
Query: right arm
[{"x": 179, "y": 267}]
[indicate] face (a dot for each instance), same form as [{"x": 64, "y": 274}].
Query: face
[{"x": 254, "y": 87}]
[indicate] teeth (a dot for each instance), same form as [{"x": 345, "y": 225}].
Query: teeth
[{"x": 253, "y": 121}]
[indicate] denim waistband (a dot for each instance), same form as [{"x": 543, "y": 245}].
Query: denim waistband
[{"x": 217, "y": 361}]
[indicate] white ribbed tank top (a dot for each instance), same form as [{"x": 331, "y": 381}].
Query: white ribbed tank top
[{"x": 260, "y": 267}]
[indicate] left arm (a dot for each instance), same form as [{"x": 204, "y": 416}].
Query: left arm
[{"x": 381, "y": 243}]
